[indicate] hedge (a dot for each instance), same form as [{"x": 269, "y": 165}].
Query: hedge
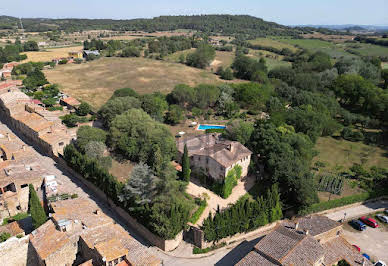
[
  {"x": 194, "y": 218},
  {"x": 322, "y": 206}
]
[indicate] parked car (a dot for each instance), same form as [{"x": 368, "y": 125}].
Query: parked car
[
  {"x": 366, "y": 256},
  {"x": 369, "y": 221},
  {"x": 382, "y": 218},
  {"x": 380, "y": 263},
  {"x": 357, "y": 247},
  {"x": 358, "y": 225}
]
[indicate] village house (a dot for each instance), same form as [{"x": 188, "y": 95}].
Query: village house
[
  {"x": 39, "y": 126},
  {"x": 86, "y": 53},
  {"x": 52, "y": 247},
  {"x": 76, "y": 54},
  {"x": 70, "y": 102},
  {"x": 215, "y": 155},
  {"x": 313, "y": 240},
  {"x": 93, "y": 235},
  {"x": 18, "y": 169}
]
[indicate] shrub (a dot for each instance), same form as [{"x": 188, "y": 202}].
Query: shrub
[
  {"x": 197, "y": 214},
  {"x": 4, "y": 236},
  {"x": 215, "y": 130},
  {"x": 83, "y": 109}
]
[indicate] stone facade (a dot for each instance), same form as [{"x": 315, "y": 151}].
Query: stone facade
[{"x": 214, "y": 155}]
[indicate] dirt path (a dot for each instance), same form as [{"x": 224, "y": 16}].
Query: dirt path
[{"x": 214, "y": 200}]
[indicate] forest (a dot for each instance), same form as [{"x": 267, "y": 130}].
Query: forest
[{"x": 225, "y": 24}]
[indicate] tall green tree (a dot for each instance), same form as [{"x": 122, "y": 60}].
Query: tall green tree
[
  {"x": 186, "y": 165},
  {"x": 36, "y": 210}
]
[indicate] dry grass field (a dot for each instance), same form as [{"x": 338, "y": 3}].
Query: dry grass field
[
  {"x": 94, "y": 82},
  {"x": 49, "y": 54},
  {"x": 273, "y": 43}
]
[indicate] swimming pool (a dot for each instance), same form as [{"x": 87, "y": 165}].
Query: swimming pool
[{"x": 204, "y": 127}]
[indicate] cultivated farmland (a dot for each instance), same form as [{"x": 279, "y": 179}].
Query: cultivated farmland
[{"x": 95, "y": 81}]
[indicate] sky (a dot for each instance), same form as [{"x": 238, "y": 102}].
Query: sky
[{"x": 287, "y": 12}]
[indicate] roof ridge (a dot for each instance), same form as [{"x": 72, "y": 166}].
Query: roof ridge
[{"x": 293, "y": 248}]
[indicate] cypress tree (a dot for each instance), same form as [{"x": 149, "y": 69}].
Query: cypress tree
[
  {"x": 36, "y": 210},
  {"x": 186, "y": 165},
  {"x": 277, "y": 208}
]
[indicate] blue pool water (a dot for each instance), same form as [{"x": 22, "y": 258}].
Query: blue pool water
[{"x": 204, "y": 127}]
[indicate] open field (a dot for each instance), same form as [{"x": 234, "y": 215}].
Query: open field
[
  {"x": 336, "y": 153},
  {"x": 174, "y": 57},
  {"x": 332, "y": 49},
  {"x": 94, "y": 82},
  {"x": 272, "y": 60},
  {"x": 327, "y": 37},
  {"x": 224, "y": 59},
  {"x": 368, "y": 49},
  {"x": 273, "y": 43},
  {"x": 49, "y": 54},
  {"x": 310, "y": 44}
]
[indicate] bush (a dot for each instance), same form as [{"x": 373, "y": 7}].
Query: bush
[
  {"x": 215, "y": 130},
  {"x": 4, "y": 236},
  {"x": 130, "y": 51},
  {"x": 55, "y": 108},
  {"x": 197, "y": 214},
  {"x": 197, "y": 250},
  {"x": 84, "y": 109},
  {"x": 17, "y": 217},
  {"x": 63, "y": 62}
]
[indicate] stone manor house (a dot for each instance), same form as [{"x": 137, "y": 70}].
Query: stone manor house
[{"x": 215, "y": 155}]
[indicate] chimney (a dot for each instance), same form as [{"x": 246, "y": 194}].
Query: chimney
[
  {"x": 306, "y": 232},
  {"x": 230, "y": 147},
  {"x": 9, "y": 137},
  {"x": 24, "y": 147},
  {"x": 97, "y": 212},
  {"x": 296, "y": 225}
]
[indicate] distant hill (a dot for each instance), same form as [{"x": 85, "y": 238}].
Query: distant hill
[
  {"x": 223, "y": 24},
  {"x": 350, "y": 27}
]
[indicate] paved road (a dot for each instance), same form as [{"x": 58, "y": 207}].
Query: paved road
[{"x": 357, "y": 211}]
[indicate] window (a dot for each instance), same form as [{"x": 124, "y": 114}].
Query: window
[
  {"x": 24, "y": 185},
  {"x": 61, "y": 143}
]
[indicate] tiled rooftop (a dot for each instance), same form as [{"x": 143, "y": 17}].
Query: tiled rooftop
[
  {"x": 214, "y": 146},
  {"x": 111, "y": 249},
  {"x": 338, "y": 249},
  {"x": 47, "y": 239},
  {"x": 82, "y": 210}
]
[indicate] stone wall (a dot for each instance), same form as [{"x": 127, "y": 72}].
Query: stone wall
[
  {"x": 200, "y": 242},
  {"x": 329, "y": 235},
  {"x": 166, "y": 245}
]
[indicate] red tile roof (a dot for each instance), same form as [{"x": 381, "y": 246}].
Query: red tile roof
[{"x": 71, "y": 101}]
